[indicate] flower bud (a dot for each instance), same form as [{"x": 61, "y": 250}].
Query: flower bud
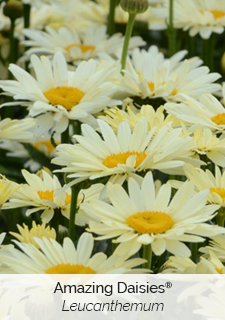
[
  {"x": 13, "y": 9},
  {"x": 134, "y": 6}
]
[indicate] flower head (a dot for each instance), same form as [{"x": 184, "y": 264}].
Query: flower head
[{"x": 142, "y": 217}]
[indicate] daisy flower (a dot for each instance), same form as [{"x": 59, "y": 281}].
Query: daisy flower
[
  {"x": 216, "y": 245},
  {"x": 39, "y": 231},
  {"x": 206, "y": 143},
  {"x": 208, "y": 112},
  {"x": 66, "y": 259},
  {"x": 199, "y": 17},
  {"x": 156, "y": 118},
  {"x": 17, "y": 130},
  {"x": 59, "y": 95},
  {"x": 124, "y": 154},
  {"x": 205, "y": 180},
  {"x": 7, "y": 188},
  {"x": 143, "y": 218},
  {"x": 42, "y": 194},
  {"x": 186, "y": 266},
  {"x": 149, "y": 75},
  {"x": 74, "y": 46}
]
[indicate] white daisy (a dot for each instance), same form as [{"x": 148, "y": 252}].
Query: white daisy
[
  {"x": 179, "y": 265},
  {"x": 205, "y": 180},
  {"x": 7, "y": 188},
  {"x": 56, "y": 259},
  {"x": 17, "y": 130},
  {"x": 143, "y": 218},
  {"x": 206, "y": 143},
  {"x": 27, "y": 235},
  {"x": 74, "y": 46},
  {"x": 150, "y": 75},
  {"x": 208, "y": 112},
  {"x": 201, "y": 17},
  {"x": 216, "y": 245},
  {"x": 59, "y": 95},
  {"x": 42, "y": 194},
  {"x": 156, "y": 118},
  {"x": 122, "y": 155}
]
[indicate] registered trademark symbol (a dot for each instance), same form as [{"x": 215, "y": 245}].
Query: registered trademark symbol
[{"x": 168, "y": 285}]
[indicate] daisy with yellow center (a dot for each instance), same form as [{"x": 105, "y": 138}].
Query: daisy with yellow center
[
  {"x": 124, "y": 154},
  {"x": 208, "y": 112},
  {"x": 142, "y": 217},
  {"x": 39, "y": 231},
  {"x": 115, "y": 116},
  {"x": 57, "y": 95},
  {"x": 7, "y": 188},
  {"x": 67, "y": 259},
  {"x": 41, "y": 193},
  {"x": 150, "y": 75},
  {"x": 74, "y": 45},
  {"x": 205, "y": 180},
  {"x": 204, "y": 142},
  {"x": 211, "y": 265},
  {"x": 217, "y": 246},
  {"x": 199, "y": 17}
]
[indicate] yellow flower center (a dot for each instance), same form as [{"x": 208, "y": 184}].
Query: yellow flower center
[
  {"x": 219, "y": 270},
  {"x": 67, "y": 268},
  {"x": 68, "y": 97},
  {"x": 46, "y": 143},
  {"x": 68, "y": 199},
  {"x": 216, "y": 13},
  {"x": 113, "y": 160},
  {"x": 46, "y": 195},
  {"x": 83, "y": 47},
  {"x": 219, "y": 119},
  {"x": 150, "y": 222},
  {"x": 219, "y": 191},
  {"x": 49, "y": 195},
  {"x": 151, "y": 86}
]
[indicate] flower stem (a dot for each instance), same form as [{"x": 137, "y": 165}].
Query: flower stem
[
  {"x": 128, "y": 34},
  {"x": 111, "y": 18},
  {"x": 220, "y": 218},
  {"x": 171, "y": 30},
  {"x": 208, "y": 51},
  {"x": 12, "y": 56},
  {"x": 147, "y": 254},
  {"x": 194, "y": 252},
  {"x": 73, "y": 210},
  {"x": 26, "y": 15}
]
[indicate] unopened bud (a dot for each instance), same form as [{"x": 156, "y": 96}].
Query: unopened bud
[
  {"x": 134, "y": 6},
  {"x": 13, "y": 9}
]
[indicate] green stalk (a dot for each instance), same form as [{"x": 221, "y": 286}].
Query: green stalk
[
  {"x": 73, "y": 210},
  {"x": 26, "y": 15},
  {"x": 111, "y": 18},
  {"x": 147, "y": 254},
  {"x": 12, "y": 55},
  {"x": 171, "y": 30},
  {"x": 220, "y": 218},
  {"x": 128, "y": 34},
  {"x": 208, "y": 51},
  {"x": 194, "y": 252}
]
